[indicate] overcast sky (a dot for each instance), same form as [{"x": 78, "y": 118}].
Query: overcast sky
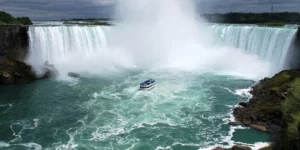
[{"x": 65, "y": 9}]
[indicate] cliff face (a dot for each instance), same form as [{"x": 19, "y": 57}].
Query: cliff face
[
  {"x": 294, "y": 54},
  {"x": 298, "y": 33},
  {"x": 275, "y": 107},
  {"x": 14, "y": 42}
]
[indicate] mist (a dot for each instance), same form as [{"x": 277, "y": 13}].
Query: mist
[{"x": 149, "y": 34}]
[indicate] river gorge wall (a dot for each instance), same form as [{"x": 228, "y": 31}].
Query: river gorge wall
[
  {"x": 294, "y": 54},
  {"x": 14, "y": 42}
]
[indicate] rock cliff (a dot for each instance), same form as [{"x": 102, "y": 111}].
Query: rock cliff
[
  {"x": 14, "y": 42},
  {"x": 274, "y": 108}
]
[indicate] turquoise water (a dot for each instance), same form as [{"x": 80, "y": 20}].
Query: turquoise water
[{"x": 185, "y": 111}]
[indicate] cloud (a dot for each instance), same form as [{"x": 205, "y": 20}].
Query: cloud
[
  {"x": 65, "y": 9},
  {"x": 222, "y": 6},
  {"x": 58, "y": 9}
]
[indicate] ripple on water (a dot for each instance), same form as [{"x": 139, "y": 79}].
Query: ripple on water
[{"x": 184, "y": 110}]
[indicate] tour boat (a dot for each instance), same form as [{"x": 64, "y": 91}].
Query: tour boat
[{"x": 148, "y": 84}]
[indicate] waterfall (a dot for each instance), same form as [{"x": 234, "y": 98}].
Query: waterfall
[
  {"x": 54, "y": 43},
  {"x": 71, "y": 46},
  {"x": 89, "y": 48},
  {"x": 270, "y": 44}
]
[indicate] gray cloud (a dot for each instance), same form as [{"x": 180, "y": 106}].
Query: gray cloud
[
  {"x": 58, "y": 9},
  {"x": 222, "y": 6},
  {"x": 65, "y": 9}
]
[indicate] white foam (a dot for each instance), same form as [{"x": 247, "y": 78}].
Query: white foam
[
  {"x": 230, "y": 91},
  {"x": 71, "y": 143},
  {"x": 35, "y": 146},
  {"x": 131, "y": 147},
  {"x": 260, "y": 145},
  {"x": 243, "y": 92},
  {"x": 104, "y": 133},
  {"x": 163, "y": 148},
  {"x": 35, "y": 123},
  {"x": 4, "y": 144}
]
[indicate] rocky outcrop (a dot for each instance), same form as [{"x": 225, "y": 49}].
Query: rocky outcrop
[
  {"x": 16, "y": 72},
  {"x": 274, "y": 108},
  {"x": 235, "y": 147},
  {"x": 258, "y": 127},
  {"x": 74, "y": 75},
  {"x": 13, "y": 41},
  {"x": 293, "y": 55},
  {"x": 6, "y": 78},
  {"x": 234, "y": 123},
  {"x": 240, "y": 147}
]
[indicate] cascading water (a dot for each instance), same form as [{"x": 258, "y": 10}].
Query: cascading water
[
  {"x": 188, "y": 109},
  {"x": 75, "y": 48},
  {"x": 58, "y": 43},
  {"x": 83, "y": 48},
  {"x": 145, "y": 37},
  {"x": 270, "y": 44}
]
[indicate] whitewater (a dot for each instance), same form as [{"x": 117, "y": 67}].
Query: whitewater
[
  {"x": 202, "y": 71},
  {"x": 248, "y": 50}
]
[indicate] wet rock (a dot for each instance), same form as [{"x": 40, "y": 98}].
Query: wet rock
[
  {"x": 6, "y": 78},
  {"x": 219, "y": 148},
  {"x": 258, "y": 127},
  {"x": 243, "y": 104},
  {"x": 239, "y": 147},
  {"x": 267, "y": 148},
  {"x": 14, "y": 41},
  {"x": 234, "y": 123},
  {"x": 246, "y": 122},
  {"x": 50, "y": 70},
  {"x": 15, "y": 72},
  {"x": 74, "y": 75}
]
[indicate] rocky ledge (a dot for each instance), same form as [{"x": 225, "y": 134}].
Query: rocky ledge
[
  {"x": 16, "y": 72},
  {"x": 298, "y": 32},
  {"x": 274, "y": 108}
]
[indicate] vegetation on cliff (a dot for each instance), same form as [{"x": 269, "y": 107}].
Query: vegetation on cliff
[
  {"x": 88, "y": 19},
  {"x": 103, "y": 23},
  {"x": 6, "y": 19},
  {"x": 270, "y": 19},
  {"x": 272, "y": 24},
  {"x": 275, "y": 106}
]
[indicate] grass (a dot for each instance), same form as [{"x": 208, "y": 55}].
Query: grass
[
  {"x": 279, "y": 80},
  {"x": 272, "y": 24},
  {"x": 2, "y": 23},
  {"x": 292, "y": 103},
  {"x": 292, "y": 131},
  {"x": 291, "y": 112},
  {"x": 268, "y": 107}
]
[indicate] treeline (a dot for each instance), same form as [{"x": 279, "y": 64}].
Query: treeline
[
  {"x": 254, "y": 18},
  {"x": 6, "y": 18},
  {"x": 87, "y": 19},
  {"x": 103, "y": 23}
]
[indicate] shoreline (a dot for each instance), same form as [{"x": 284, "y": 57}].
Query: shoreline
[{"x": 269, "y": 109}]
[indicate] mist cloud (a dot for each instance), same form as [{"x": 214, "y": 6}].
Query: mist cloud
[{"x": 65, "y": 9}]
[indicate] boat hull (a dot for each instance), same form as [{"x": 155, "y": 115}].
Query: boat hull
[{"x": 147, "y": 87}]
